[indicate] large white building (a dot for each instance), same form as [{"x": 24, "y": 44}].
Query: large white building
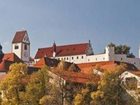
[
  {"x": 83, "y": 53},
  {"x": 76, "y": 53}
]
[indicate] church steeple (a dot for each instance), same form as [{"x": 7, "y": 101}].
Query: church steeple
[{"x": 54, "y": 49}]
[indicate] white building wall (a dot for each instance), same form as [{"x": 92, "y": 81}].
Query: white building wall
[
  {"x": 73, "y": 59},
  {"x": 97, "y": 58},
  {"x": 124, "y": 58},
  {"x": 17, "y": 51},
  {"x": 21, "y": 52},
  {"x": 120, "y": 57}
]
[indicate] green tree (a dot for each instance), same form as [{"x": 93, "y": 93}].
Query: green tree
[
  {"x": 122, "y": 49},
  {"x": 37, "y": 86},
  {"x": 40, "y": 91}
]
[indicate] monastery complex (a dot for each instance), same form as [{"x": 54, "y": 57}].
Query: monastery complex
[
  {"x": 78, "y": 58},
  {"x": 75, "y": 53}
]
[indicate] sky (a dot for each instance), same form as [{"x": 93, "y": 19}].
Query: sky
[{"x": 71, "y": 21}]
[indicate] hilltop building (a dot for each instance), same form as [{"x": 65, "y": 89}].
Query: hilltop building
[
  {"x": 75, "y": 53},
  {"x": 21, "y": 45},
  {"x": 83, "y": 53},
  {"x": 20, "y": 52},
  {"x": 78, "y": 61}
]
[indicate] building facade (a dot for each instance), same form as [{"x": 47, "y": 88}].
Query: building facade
[
  {"x": 83, "y": 53},
  {"x": 74, "y": 53},
  {"x": 21, "y": 45}
]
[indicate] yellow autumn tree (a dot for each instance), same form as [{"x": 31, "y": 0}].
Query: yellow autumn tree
[
  {"x": 109, "y": 89},
  {"x": 13, "y": 85}
]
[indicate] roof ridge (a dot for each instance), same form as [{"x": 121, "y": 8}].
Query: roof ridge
[{"x": 63, "y": 45}]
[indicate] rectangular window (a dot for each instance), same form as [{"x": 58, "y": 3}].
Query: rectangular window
[
  {"x": 25, "y": 47},
  {"x": 16, "y": 46}
]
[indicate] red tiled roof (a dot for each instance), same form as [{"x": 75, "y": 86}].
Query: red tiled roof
[
  {"x": 107, "y": 65},
  {"x": 88, "y": 67},
  {"x": 40, "y": 63},
  {"x": 57, "y": 64},
  {"x": 66, "y": 50},
  {"x": 2, "y": 66},
  {"x": 19, "y": 36},
  {"x": 12, "y": 57},
  {"x": 46, "y": 61},
  {"x": 7, "y": 60},
  {"x": 77, "y": 77}
]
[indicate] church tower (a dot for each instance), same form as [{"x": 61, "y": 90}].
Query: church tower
[{"x": 21, "y": 45}]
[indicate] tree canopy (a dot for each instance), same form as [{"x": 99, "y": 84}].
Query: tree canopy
[
  {"x": 19, "y": 88},
  {"x": 122, "y": 49},
  {"x": 109, "y": 90}
]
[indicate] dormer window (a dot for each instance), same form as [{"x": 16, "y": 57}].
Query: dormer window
[{"x": 16, "y": 47}]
